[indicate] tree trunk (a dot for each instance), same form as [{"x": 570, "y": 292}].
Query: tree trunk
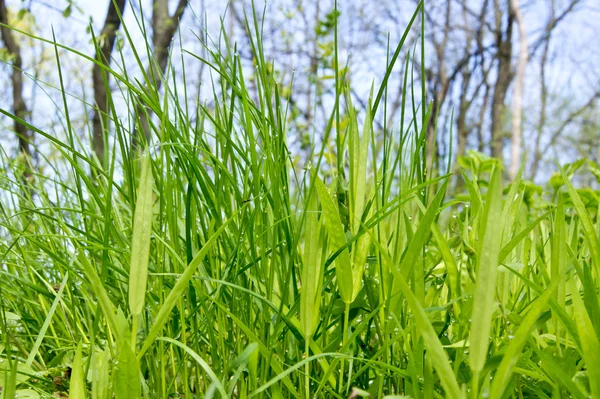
[
  {"x": 100, "y": 79},
  {"x": 440, "y": 90},
  {"x": 517, "y": 134},
  {"x": 24, "y": 136},
  {"x": 503, "y": 79},
  {"x": 164, "y": 27}
]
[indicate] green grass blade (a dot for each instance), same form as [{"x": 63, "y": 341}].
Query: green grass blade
[
  {"x": 140, "y": 245},
  {"x": 105, "y": 303},
  {"x": 178, "y": 289},
  {"x": 77, "y": 388},
  {"x": 586, "y": 222},
  {"x": 521, "y": 336},
  {"x": 211, "y": 374},
  {"x": 126, "y": 372},
  {"x": 486, "y": 268},
  {"x": 435, "y": 350},
  {"x": 42, "y": 332},
  {"x": 312, "y": 271},
  {"x": 335, "y": 228},
  {"x": 590, "y": 344},
  {"x": 100, "y": 375}
]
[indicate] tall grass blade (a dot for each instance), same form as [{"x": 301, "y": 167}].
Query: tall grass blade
[
  {"x": 490, "y": 228},
  {"x": 78, "y": 386},
  {"x": 335, "y": 228},
  {"x": 140, "y": 244},
  {"x": 590, "y": 343}
]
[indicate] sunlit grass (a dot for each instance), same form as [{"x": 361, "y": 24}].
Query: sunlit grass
[{"x": 206, "y": 263}]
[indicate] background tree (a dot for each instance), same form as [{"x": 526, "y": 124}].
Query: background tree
[
  {"x": 24, "y": 136},
  {"x": 472, "y": 57},
  {"x": 106, "y": 43},
  {"x": 164, "y": 27}
]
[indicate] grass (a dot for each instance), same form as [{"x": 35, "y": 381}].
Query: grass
[{"x": 208, "y": 263}]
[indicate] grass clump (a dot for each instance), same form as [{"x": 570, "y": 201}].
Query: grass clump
[{"x": 204, "y": 262}]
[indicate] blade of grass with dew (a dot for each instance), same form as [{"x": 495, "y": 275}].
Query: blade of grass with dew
[
  {"x": 126, "y": 370},
  {"x": 42, "y": 333},
  {"x": 290, "y": 370},
  {"x": 77, "y": 386},
  {"x": 335, "y": 228},
  {"x": 312, "y": 271},
  {"x": 435, "y": 350},
  {"x": 518, "y": 238},
  {"x": 240, "y": 363},
  {"x": 358, "y": 154},
  {"x": 486, "y": 269},
  {"x": 418, "y": 241},
  {"x": 590, "y": 344},
  {"x": 140, "y": 245},
  {"x": 358, "y": 151},
  {"x": 105, "y": 303},
  {"x": 275, "y": 362},
  {"x": 179, "y": 288},
  {"x": 557, "y": 373},
  {"x": 558, "y": 262},
  {"x": 514, "y": 351},
  {"x": 100, "y": 375},
  {"x": 312, "y": 277},
  {"x": 9, "y": 385},
  {"x": 211, "y": 374},
  {"x": 587, "y": 224}
]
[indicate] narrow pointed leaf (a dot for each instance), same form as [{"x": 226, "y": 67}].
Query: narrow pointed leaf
[{"x": 140, "y": 244}]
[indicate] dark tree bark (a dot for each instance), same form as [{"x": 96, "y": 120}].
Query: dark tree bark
[
  {"x": 164, "y": 27},
  {"x": 503, "y": 78},
  {"x": 24, "y": 136},
  {"x": 106, "y": 44}
]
